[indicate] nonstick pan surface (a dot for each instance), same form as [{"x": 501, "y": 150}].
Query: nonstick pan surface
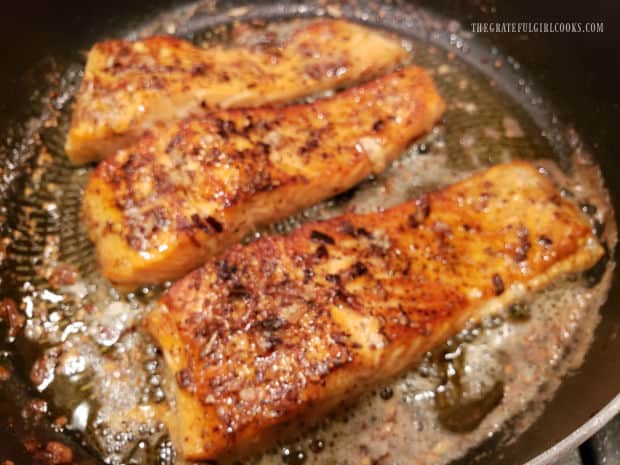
[{"x": 590, "y": 391}]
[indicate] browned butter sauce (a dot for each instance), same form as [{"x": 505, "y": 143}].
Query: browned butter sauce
[{"x": 102, "y": 372}]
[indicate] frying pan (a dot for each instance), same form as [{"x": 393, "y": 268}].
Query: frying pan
[{"x": 577, "y": 73}]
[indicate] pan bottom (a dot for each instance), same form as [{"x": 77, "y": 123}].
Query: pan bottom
[{"x": 91, "y": 361}]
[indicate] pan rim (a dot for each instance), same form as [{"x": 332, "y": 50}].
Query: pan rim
[
  {"x": 578, "y": 436},
  {"x": 571, "y": 441}
]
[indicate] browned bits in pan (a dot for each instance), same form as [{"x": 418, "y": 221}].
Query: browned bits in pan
[{"x": 11, "y": 315}]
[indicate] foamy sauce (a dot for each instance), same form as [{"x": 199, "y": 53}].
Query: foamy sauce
[{"x": 109, "y": 380}]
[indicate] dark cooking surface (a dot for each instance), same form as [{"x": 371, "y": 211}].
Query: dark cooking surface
[{"x": 581, "y": 71}]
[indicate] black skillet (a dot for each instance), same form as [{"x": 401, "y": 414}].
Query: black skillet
[{"x": 578, "y": 73}]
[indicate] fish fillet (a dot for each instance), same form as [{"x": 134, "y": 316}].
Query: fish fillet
[
  {"x": 289, "y": 326},
  {"x": 128, "y": 86},
  {"x": 184, "y": 193}
]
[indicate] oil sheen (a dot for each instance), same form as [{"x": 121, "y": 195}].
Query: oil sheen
[{"x": 100, "y": 371}]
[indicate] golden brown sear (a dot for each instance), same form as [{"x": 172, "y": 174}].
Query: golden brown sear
[
  {"x": 289, "y": 326},
  {"x": 128, "y": 86},
  {"x": 184, "y": 193}
]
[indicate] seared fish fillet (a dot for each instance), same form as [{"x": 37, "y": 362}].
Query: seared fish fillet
[
  {"x": 127, "y": 86},
  {"x": 289, "y": 326},
  {"x": 184, "y": 193}
]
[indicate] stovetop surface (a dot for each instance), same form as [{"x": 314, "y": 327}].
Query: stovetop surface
[{"x": 602, "y": 449}]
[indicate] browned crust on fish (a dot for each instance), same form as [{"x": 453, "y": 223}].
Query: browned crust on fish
[
  {"x": 128, "y": 86},
  {"x": 184, "y": 193},
  {"x": 289, "y": 326}
]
